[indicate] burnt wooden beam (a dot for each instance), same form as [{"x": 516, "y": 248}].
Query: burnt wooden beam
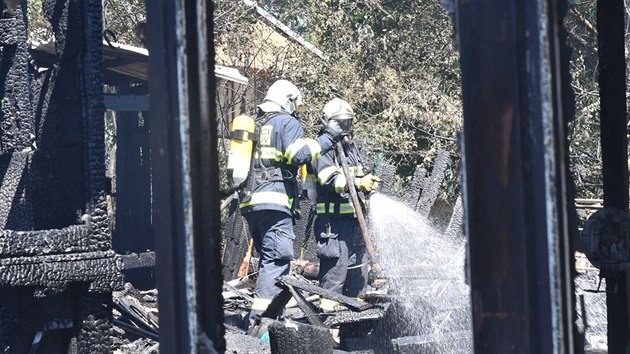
[
  {"x": 305, "y": 306},
  {"x": 277, "y": 303},
  {"x": 612, "y": 92},
  {"x": 515, "y": 174},
  {"x": 350, "y": 302},
  {"x": 186, "y": 215},
  {"x": 432, "y": 183},
  {"x": 412, "y": 194},
  {"x": 138, "y": 260},
  {"x": 57, "y": 268},
  {"x": 349, "y": 317},
  {"x": 613, "y": 120}
]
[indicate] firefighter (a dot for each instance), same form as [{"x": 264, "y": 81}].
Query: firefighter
[
  {"x": 270, "y": 201},
  {"x": 340, "y": 247}
]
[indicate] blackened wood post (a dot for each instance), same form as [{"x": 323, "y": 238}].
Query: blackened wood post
[
  {"x": 174, "y": 334},
  {"x": 186, "y": 217},
  {"x": 515, "y": 175},
  {"x": 612, "y": 92}
]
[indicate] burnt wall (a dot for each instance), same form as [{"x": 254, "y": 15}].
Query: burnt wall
[
  {"x": 16, "y": 124},
  {"x": 57, "y": 269}
]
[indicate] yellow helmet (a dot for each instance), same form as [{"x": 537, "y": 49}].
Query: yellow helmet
[{"x": 283, "y": 94}]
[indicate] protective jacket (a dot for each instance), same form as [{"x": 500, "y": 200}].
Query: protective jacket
[
  {"x": 281, "y": 150},
  {"x": 333, "y": 196},
  {"x": 339, "y": 244}
]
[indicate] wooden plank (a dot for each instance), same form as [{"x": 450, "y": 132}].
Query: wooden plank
[
  {"x": 614, "y": 150},
  {"x": 277, "y": 304},
  {"x": 431, "y": 185},
  {"x": 305, "y": 306},
  {"x": 352, "y": 303},
  {"x": 514, "y": 181}
]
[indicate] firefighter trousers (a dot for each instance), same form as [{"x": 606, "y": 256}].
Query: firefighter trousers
[
  {"x": 272, "y": 232},
  {"x": 339, "y": 247}
]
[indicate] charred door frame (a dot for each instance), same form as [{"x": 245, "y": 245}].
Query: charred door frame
[{"x": 186, "y": 215}]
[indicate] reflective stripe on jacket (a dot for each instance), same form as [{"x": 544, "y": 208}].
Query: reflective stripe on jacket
[
  {"x": 281, "y": 147},
  {"x": 333, "y": 197}
]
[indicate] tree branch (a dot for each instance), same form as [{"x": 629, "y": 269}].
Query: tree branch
[
  {"x": 591, "y": 49},
  {"x": 578, "y": 16}
]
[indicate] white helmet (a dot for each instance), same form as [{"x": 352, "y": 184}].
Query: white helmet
[
  {"x": 282, "y": 95},
  {"x": 341, "y": 111}
]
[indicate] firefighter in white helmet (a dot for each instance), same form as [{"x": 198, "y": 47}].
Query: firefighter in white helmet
[
  {"x": 270, "y": 200},
  {"x": 340, "y": 247}
]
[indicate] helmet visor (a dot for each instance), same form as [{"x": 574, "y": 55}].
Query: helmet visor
[{"x": 345, "y": 124}]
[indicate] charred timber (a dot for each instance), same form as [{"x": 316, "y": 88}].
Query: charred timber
[
  {"x": 350, "y": 302},
  {"x": 612, "y": 90},
  {"x": 306, "y": 307},
  {"x": 518, "y": 197},
  {"x": 56, "y": 261}
]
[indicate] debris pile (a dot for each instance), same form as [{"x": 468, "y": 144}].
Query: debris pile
[
  {"x": 136, "y": 320},
  {"x": 590, "y": 292},
  {"x": 302, "y": 319}
]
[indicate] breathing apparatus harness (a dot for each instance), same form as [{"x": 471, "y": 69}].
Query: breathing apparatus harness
[{"x": 260, "y": 174}]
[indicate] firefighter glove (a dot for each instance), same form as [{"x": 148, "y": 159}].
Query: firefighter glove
[
  {"x": 333, "y": 130},
  {"x": 368, "y": 183}
]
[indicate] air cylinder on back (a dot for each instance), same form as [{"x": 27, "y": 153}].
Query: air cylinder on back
[{"x": 242, "y": 137}]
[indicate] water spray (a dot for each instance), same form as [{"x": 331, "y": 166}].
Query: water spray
[{"x": 424, "y": 267}]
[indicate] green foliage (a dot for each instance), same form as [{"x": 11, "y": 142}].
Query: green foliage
[
  {"x": 125, "y": 18},
  {"x": 39, "y": 29},
  {"x": 584, "y": 133},
  {"x": 393, "y": 62}
]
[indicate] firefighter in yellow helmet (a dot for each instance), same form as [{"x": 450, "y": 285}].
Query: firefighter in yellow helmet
[
  {"x": 270, "y": 200},
  {"x": 340, "y": 247}
]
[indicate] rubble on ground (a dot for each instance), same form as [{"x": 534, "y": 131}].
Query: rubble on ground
[{"x": 136, "y": 321}]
